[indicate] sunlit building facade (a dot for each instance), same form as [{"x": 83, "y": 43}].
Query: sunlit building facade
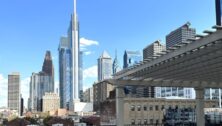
[{"x": 104, "y": 66}]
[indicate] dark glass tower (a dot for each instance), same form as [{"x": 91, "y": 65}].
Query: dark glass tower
[
  {"x": 218, "y": 11},
  {"x": 48, "y": 65}
]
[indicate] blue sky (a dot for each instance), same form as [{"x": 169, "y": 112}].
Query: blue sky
[{"x": 30, "y": 27}]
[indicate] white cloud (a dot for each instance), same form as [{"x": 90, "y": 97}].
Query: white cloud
[
  {"x": 87, "y": 53},
  {"x": 90, "y": 72},
  {"x": 86, "y": 42},
  {"x": 3, "y": 90}
]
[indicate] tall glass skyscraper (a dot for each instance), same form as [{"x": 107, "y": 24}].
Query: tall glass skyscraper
[
  {"x": 104, "y": 66},
  {"x": 70, "y": 63},
  {"x": 116, "y": 66},
  {"x": 80, "y": 75},
  {"x": 65, "y": 72},
  {"x": 130, "y": 58},
  {"x": 41, "y": 83},
  {"x": 218, "y": 12}
]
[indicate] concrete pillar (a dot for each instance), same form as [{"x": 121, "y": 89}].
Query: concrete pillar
[
  {"x": 120, "y": 106},
  {"x": 200, "y": 106}
]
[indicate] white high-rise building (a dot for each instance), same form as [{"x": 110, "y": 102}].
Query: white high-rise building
[
  {"x": 73, "y": 38},
  {"x": 104, "y": 66}
]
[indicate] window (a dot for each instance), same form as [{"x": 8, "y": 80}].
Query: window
[
  {"x": 151, "y": 107},
  {"x": 139, "y": 121},
  {"x": 138, "y": 107},
  {"x": 157, "y": 121},
  {"x": 157, "y": 107},
  {"x": 162, "y": 107},
  {"x": 132, "y": 108},
  {"x": 133, "y": 122},
  {"x": 151, "y": 121},
  {"x": 145, "y": 108},
  {"x": 145, "y": 121}
]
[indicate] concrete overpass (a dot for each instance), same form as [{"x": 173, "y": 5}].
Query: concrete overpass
[{"x": 196, "y": 63}]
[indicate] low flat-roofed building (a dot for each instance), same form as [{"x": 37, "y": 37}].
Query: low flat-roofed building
[
  {"x": 142, "y": 111},
  {"x": 51, "y": 102}
]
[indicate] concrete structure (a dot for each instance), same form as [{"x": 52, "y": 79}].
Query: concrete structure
[
  {"x": 88, "y": 95},
  {"x": 152, "y": 50},
  {"x": 104, "y": 66},
  {"x": 14, "y": 92},
  {"x": 218, "y": 12},
  {"x": 82, "y": 107},
  {"x": 146, "y": 111},
  {"x": 51, "y": 101},
  {"x": 195, "y": 63},
  {"x": 101, "y": 91},
  {"x": 180, "y": 35}
]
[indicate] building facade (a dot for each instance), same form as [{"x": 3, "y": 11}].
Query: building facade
[
  {"x": 116, "y": 67},
  {"x": 180, "y": 35},
  {"x": 218, "y": 12},
  {"x": 131, "y": 58},
  {"x": 41, "y": 83},
  {"x": 153, "y": 50},
  {"x": 70, "y": 65},
  {"x": 65, "y": 72},
  {"x": 14, "y": 100},
  {"x": 51, "y": 102},
  {"x": 101, "y": 92},
  {"x": 80, "y": 76},
  {"x": 104, "y": 66},
  {"x": 88, "y": 95},
  {"x": 148, "y": 111}
]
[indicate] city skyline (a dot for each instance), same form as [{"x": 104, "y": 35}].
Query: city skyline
[{"x": 94, "y": 29}]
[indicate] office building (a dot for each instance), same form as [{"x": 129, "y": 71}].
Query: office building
[
  {"x": 104, "y": 66},
  {"x": 131, "y": 58},
  {"x": 180, "y": 35},
  {"x": 218, "y": 12},
  {"x": 80, "y": 76},
  {"x": 101, "y": 92},
  {"x": 65, "y": 72},
  {"x": 40, "y": 83},
  {"x": 151, "y": 111},
  {"x": 70, "y": 65},
  {"x": 116, "y": 66},
  {"x": 88, "y": 95},
  {"x": 153, "y": 49},
  {"x": 14, "y": 92},
  {"x": 51, "y": 102}
]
